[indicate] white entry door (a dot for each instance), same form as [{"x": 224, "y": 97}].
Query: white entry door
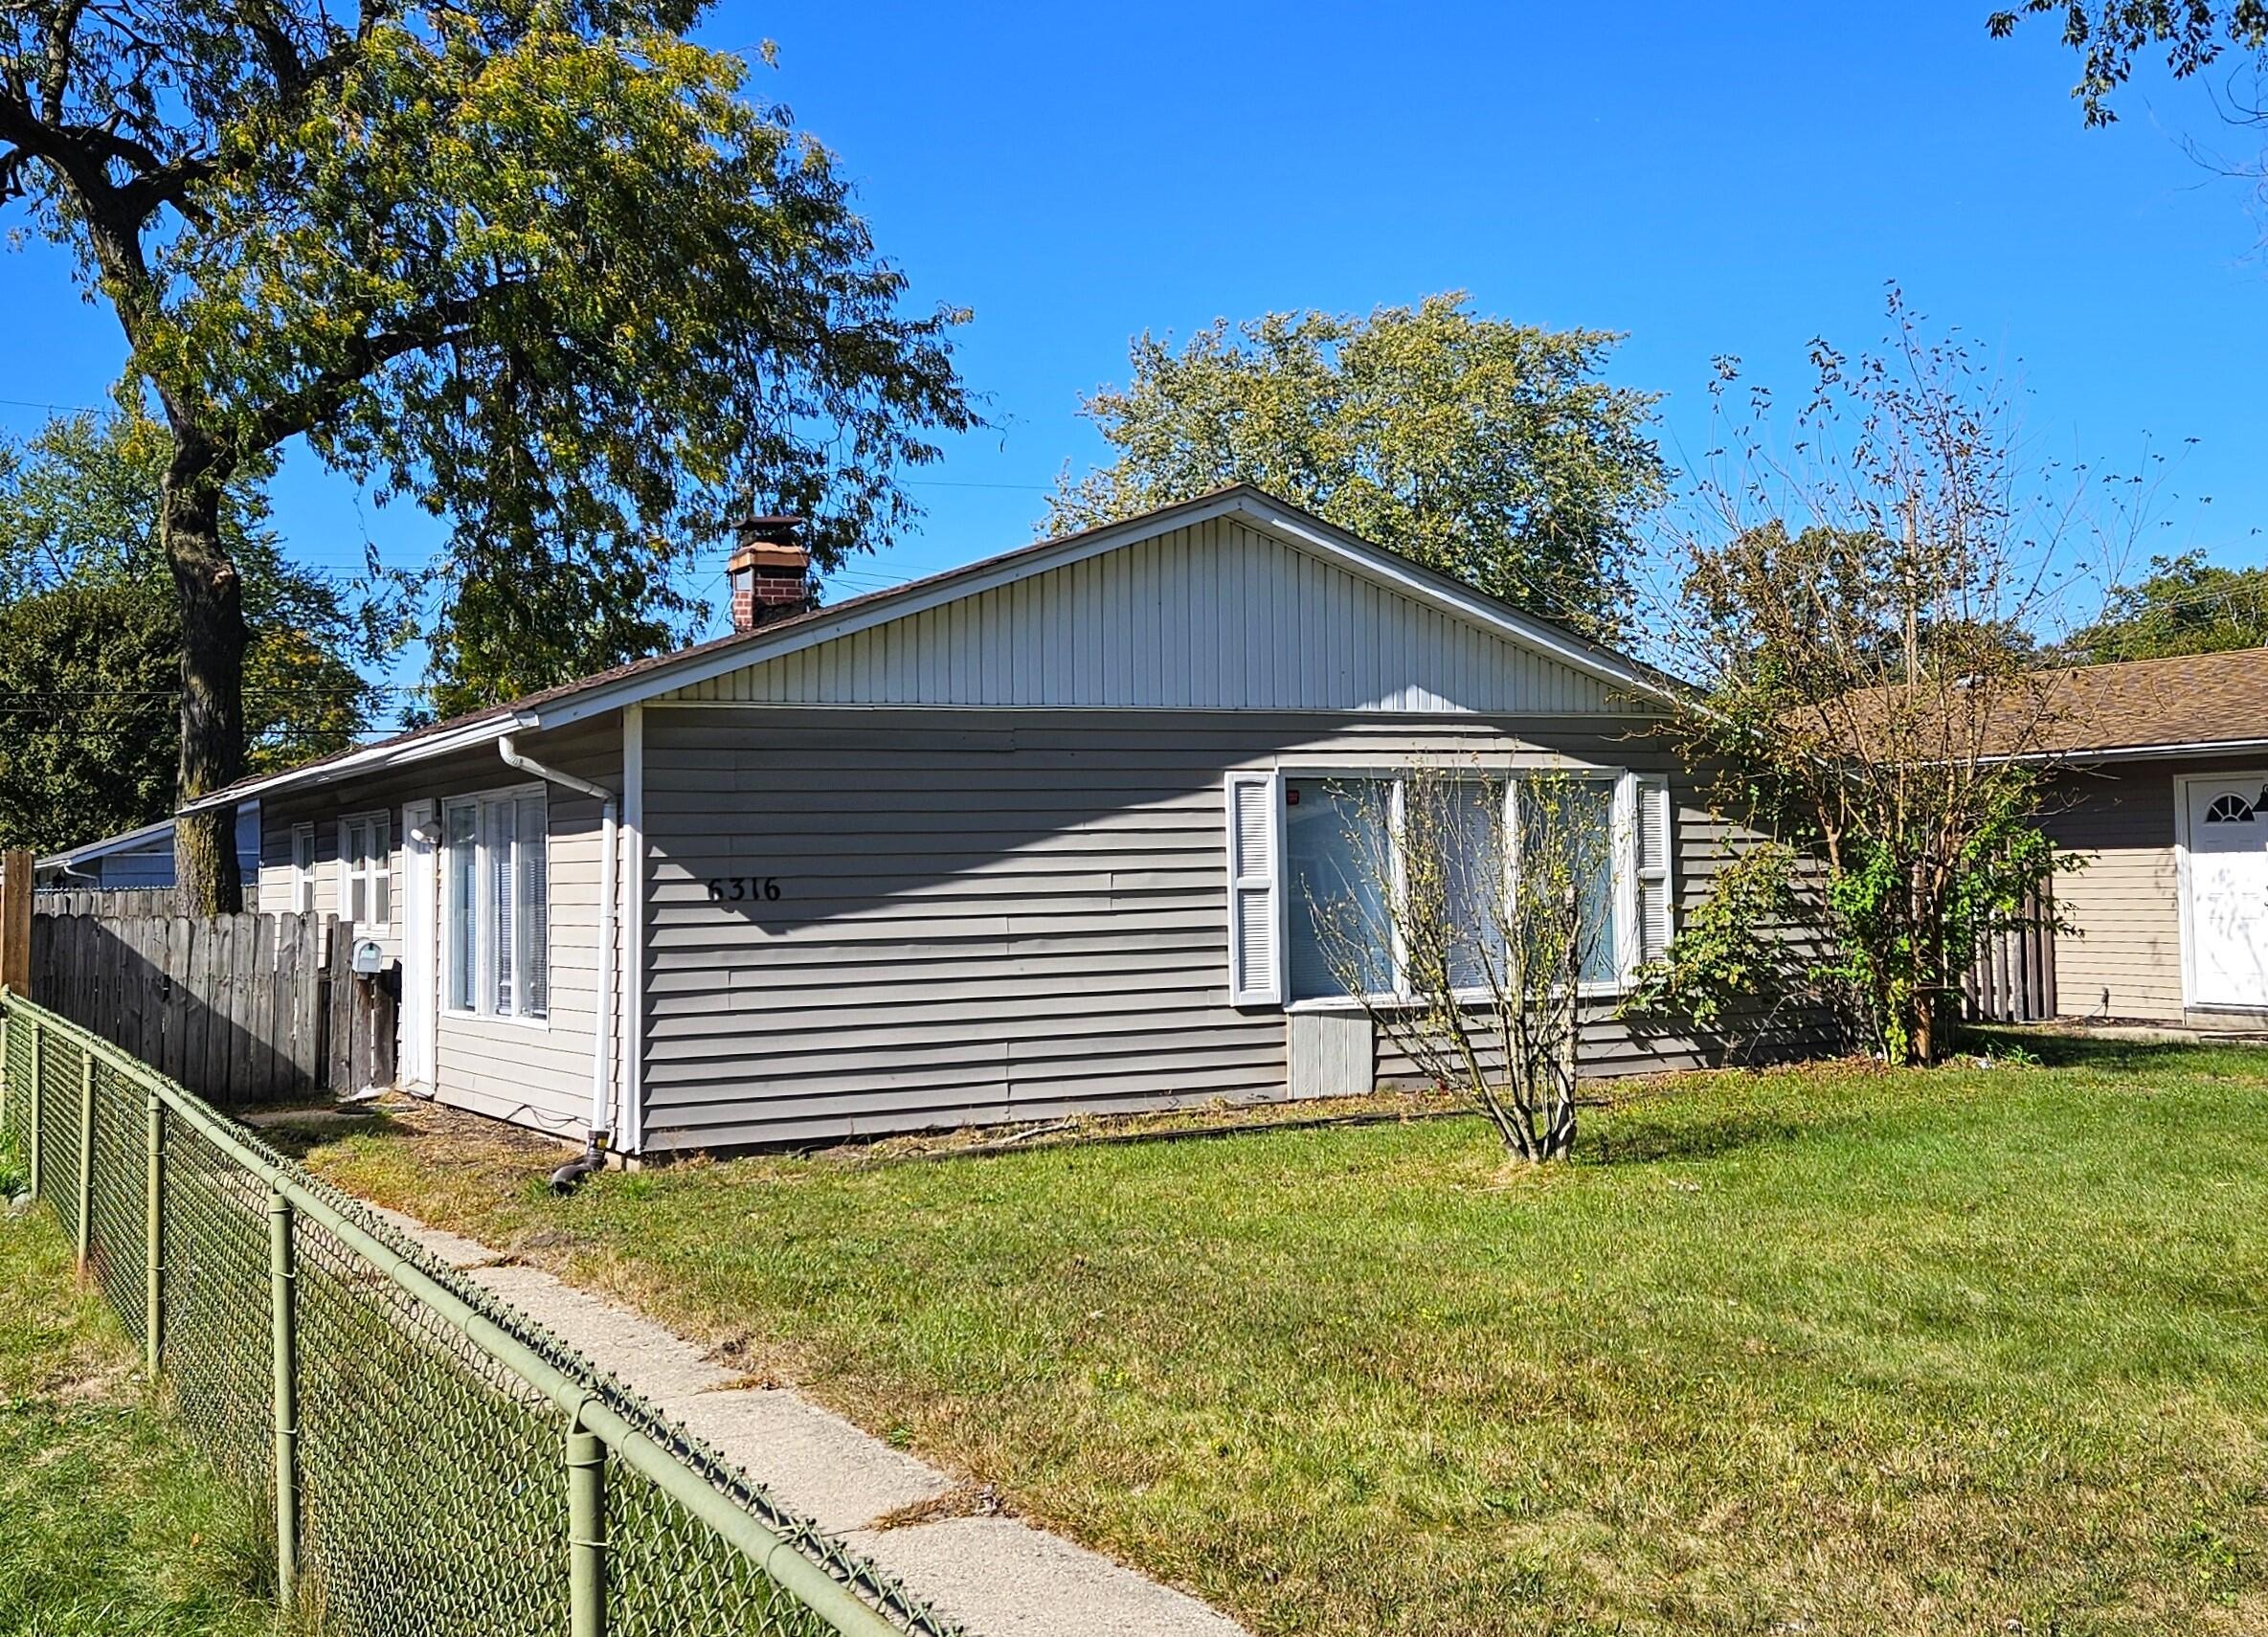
[
  {"x": 420, "y": 943},
  {"x": 2226, "y": 915}
]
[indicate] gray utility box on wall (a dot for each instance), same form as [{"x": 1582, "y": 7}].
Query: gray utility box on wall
[{"x": 1332, "y": 1054}]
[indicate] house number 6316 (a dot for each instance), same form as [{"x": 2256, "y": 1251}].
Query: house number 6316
[{"x": 741, "y": 888}]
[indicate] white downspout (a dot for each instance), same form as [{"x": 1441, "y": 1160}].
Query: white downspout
[{"x": 602, "y": 1062}]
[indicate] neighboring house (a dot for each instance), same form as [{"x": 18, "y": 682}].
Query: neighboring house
[
  {"x": 137, "y": 857},
  {"x": 1030, "y": 838},
  {"x": 2163, "y": 788}
]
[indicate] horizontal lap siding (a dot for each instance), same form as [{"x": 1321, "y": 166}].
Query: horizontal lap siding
[
  {"x": 982, "y": 922},
  {"x": 2122, "y": 957},
  {"x": 537, "y": 1074}
]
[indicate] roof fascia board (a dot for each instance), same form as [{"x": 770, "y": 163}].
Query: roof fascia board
[
  {"x": 124, "y": 841},
  {"x": 372, "y": 760},
  {"x": 2138, "y": 752}
]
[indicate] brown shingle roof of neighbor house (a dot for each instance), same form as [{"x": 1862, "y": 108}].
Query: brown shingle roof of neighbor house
[
  {"x": 770, "y": 631},
  {"x": 2140, "y": 706},
  {"x": 2134, "y": 707}
]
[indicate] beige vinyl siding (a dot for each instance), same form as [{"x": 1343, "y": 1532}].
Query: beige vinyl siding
[
  {"x": 274, "y": 857},
  {"x": 1217, "y": 616},
  {"x": 534, "y": 1072},
  {"x": 984, "y": 922},
  {"x": 2123, "y": 956}
]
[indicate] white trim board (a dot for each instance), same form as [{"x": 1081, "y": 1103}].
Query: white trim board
[
  {"x": 630, "y": 934},
  {"x": 2181, "y": 873}
]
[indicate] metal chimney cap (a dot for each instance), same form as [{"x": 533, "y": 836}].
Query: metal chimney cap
[{"x": 777, "y": 529}]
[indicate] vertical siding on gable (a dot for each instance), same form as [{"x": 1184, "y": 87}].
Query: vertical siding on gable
[
  {"x": 1216, "y": 615},
  {"x": 981, "y": 918}
]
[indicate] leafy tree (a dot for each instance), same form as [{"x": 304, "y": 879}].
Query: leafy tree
[
  {"x": 2184, "y": 605},
  {"x": 1488, "y": 450},
  {"x": 88, "y": 671},
  {"x": 2114, "y": 36},
  {"x": 535, "y": 265},
  {"x": 1870, "y": 691},
  {"x": 79, "y": 506},
  {"x": 2110, "y": 34},
  {"x": 1740, "y": 958}
]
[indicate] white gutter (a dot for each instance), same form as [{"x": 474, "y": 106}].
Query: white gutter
[
  {"x": 602, "y": 1062},
  {"x": 2138, "y": 752},
  {"x": 390, "y": 754}
]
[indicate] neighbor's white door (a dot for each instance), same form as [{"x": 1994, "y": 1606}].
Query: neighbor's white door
[
  {"x": 2227, "y": 890},
  {"x": 421, "y": 941}
]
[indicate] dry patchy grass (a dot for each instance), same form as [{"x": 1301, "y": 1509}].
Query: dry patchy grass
[{"x": 1827, "y": 1350}]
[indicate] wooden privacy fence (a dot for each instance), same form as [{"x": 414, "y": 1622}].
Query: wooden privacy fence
[
  {"x": 2013, "y": 980},
  {"x": 240, "y": 1008},
  {"x": 119, "y": 903}
]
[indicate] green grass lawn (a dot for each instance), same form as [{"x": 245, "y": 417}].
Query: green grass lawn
[
  {"x": 109, "y": 1526},
  {"x": 1828, "y": 1351}
]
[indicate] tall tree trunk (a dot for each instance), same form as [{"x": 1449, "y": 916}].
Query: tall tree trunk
[{"x": 212, "y": 670}]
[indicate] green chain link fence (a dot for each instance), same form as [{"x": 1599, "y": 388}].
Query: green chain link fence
[{"x": 436, "y": 1463}]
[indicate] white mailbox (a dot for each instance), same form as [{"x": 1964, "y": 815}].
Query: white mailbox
[{"x": 370, "y": 957}]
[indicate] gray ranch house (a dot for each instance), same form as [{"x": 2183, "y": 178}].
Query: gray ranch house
[{"x": 1035, "y": 836}]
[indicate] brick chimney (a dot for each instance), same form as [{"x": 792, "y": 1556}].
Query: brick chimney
[{"x": 769, "y": 572}]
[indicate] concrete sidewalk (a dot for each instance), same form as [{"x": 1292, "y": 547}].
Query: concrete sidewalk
[{"x": 946, "y": 1541}]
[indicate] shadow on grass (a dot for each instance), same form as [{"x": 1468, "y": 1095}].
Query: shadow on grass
[
  {"x": 295, "y": 1137},
  {"x": 1647, "y": 1136},
  {"x": 2056, "y": 1050}
]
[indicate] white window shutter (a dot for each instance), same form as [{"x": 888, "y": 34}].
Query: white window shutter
[
  {"x": 1655, "y": 871},
  {"x": 1256, "y": 960}
]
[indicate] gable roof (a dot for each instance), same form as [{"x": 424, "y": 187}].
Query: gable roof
[
  {"x": 2188, "y": 704},
  {"x": 2140, "y": 707},
  {"x": 152, "y": 838},
  {"x": 648, "y": 679},
  {"x": 125, "y": 841}
]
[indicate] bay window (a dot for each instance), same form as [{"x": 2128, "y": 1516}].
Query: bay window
[
  {"x": 1346, "y": 891},
  {"x": 497, "y": 904},
  {"x": 1335, "y": 833}
]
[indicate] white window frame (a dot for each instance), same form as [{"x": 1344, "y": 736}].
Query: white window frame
[
  {"x": 483, "y": 975},
  {"x": 302, "y": 868},
  {"x": 1623, "y": 842},
  {"x": 354, "y": 871}
]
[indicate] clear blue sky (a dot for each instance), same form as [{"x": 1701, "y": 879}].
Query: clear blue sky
[{"x": 1709, "y": 179}]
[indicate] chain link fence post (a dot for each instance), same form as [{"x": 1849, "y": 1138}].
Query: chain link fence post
[
  {"x": 86, "y": 1159},
  {"x": 39, "y": 1113},
  {"x": 282, "y": 1315},
  {"x": 153, "y": 1243},
  {"x": 586, "y": 1530}
]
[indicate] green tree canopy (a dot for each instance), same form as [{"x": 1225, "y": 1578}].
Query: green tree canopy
[
  {"x": 2184, "y": 605},
  {"x": 1486, "y": 449},
  {"x": 2110, "y": 34},
  {"x": 94, "y": 633},
  {"x": 1872, "y": 697},
  {"x": 87, "y": 675},
  {"x": 537, "y": 266}
]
